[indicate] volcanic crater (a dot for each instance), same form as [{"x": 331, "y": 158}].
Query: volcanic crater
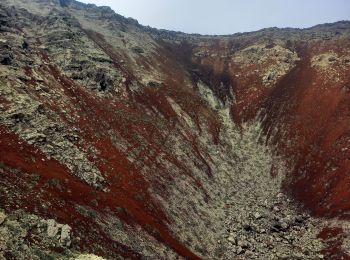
[{"x": 120, "y": 141}]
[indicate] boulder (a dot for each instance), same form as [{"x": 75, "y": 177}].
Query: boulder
[
  {"x": 52, "y": 228},
  {"x": 6, "y": 60},
  {"x": 2, "y": 217},
  {"x": 65, "y": 235}
]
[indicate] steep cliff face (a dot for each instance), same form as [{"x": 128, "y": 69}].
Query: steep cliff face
[{"x": 131, "y": 143}]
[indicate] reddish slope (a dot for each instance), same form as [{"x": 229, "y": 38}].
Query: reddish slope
[
  {"x": 306, "y": 113},
  {"x": 128, "y": 197},
  {"x": 313, "y": 111}
]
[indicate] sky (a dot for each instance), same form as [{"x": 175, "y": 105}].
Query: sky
[{"x": 229, "y": 16}]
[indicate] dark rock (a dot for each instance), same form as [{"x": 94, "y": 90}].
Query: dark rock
[
  {"x": 101, "y": 77},
  {"x": 4, "y": 20},
  {"x": 332, "y": 59},
  {"x": 4, "y": 46},
  {"x": 138, "y": 50},
  {"x": 6, "y": 61},
  {"x": 299, "y": 220},
  {"x": 71, "y": 138},
  {"x": 25, "y": 45},
  {"x": 240, "y": 251},
  {"x": 64, "y": 3},
  {"x": 276, "y": 227},
  {"x": 24, "y": 78},
  {"x": 248, "y": 227},
  {"x": 41, "y": 109},
  {"x": 154, "y": 84},
  {"x": 19, "y": 117},
  {"x": 103, "y": 85},
  {"x": 101, "y": 59}
]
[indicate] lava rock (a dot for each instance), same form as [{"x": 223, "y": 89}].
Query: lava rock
[
  {"x": 25, "y": 45},
  {"x": 138, "y": 50},
  {"x": 154, "y": 84},
  {"x": 6, "y": 60},
  {"x": 276, "y": 227},
  {"x": 247, "y": 227},
  {"x": 299, "y": 220}
]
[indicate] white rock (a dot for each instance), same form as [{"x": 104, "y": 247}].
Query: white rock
[
  {"x": 2, "y": 217},
  {"x": 88, "y": 257},
  {"x": 257, "y": 215},
  {"x": 65, "y": 234},
  {"x": 240, "y": 250},
  {"x": 232, "y": 239},
  {"x": 52, "y": 228}
]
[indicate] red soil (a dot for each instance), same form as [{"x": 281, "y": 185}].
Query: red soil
[{"x": 333, "y": 238}]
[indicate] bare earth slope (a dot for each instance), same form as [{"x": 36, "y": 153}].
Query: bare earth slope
[{"x": 124, "y": 142}]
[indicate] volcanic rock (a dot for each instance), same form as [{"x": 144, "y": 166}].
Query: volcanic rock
[{"x": 139, "y": 143}]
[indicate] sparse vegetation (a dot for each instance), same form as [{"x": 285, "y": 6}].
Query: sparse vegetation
[{"x": 136, "y": 143}]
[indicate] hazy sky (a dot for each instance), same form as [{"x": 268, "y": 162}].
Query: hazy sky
[{"x": 229, "y": 16}]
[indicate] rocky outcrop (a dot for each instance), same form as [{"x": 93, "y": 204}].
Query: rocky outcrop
[
  {"x": 26, "y": 236},
  {"x": 125, "y": 142},
  {"x": 275, "y": 60}
]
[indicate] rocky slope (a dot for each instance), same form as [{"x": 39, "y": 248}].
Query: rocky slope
[{"x": 119, "y": 141}]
